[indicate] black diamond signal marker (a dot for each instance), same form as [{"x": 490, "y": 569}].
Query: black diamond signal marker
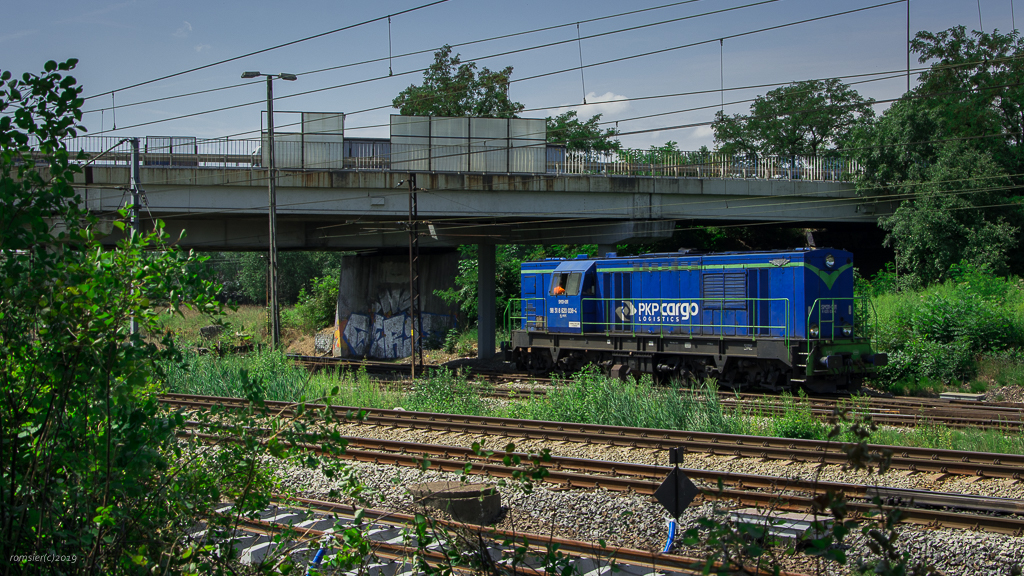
[{"x": 676, "y": 492}]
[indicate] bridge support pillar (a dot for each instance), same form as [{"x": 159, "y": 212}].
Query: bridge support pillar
[
  {"x": 603, "y": 249},
  {"x": 486, "y": 301}
]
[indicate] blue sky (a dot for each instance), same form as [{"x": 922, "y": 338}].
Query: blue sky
[{"x": 122, "y": 43}]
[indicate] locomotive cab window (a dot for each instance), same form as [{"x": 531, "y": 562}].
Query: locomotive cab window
[{"x": 566, "y": 284}]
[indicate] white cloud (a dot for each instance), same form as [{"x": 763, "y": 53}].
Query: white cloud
[
  {"x": 184, "y": 30},
  {"x": 606, "y": 104},
  {"x": 201, "y": 47},
  {"x": 16, "y": 35},
  {"x": 703, "y": 132}
]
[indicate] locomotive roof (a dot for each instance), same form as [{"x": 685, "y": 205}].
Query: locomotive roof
[{"x": 704, "y": 254}]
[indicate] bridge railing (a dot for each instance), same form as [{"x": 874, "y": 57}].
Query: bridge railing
[
  {"x": 292, "y": 152},
  {"x": 684, "y": 164}
]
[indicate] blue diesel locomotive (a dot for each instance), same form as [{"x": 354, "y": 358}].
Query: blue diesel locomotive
[{"x": 775, "y": 320}]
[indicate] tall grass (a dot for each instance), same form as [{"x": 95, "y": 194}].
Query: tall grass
[
  {"x": 591, "y": 397},
  {"x": 248, "y": 320},
  {"x": 446, "y": 392},
  {"x": 588, "y": 397},
  {"x": 1010, "y": 441},
  {"x": 935, "y": 336},
  {"x": 269, "y": 375},
  {"x": 265, "y": 374}
]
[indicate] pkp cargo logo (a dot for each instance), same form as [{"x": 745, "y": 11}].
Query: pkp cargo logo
[{"x": 656, "y": 311}]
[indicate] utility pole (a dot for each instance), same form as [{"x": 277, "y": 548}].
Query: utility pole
[
  {"x": 908, "y": 45},
  {"x": 414, "y": 280},
  {"x": 136, "y": 199},
  {"x": 275, "y": 316}
]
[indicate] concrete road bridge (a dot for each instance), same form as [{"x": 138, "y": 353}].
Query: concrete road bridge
[{"x": 337, "y": 196}]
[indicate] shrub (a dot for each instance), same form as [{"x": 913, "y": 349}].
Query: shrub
[
  {"x": 316, "y": 308},
  {"x": 798, "y": 421},
  {"x": 939, "y": 332}
]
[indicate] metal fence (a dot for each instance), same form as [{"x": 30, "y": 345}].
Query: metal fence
[
  {"x": 294, "y": 152},
  {"x": 702, "y": 165}
]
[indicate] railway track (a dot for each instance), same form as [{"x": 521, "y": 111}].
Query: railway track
[
  {"x": 891, "y": 412},
  {"x": 907, "y": 458},
  {"x": 906, "y": 411},
  {"x": 767, "y": 492},
  {"x": 310, "y": 521}
]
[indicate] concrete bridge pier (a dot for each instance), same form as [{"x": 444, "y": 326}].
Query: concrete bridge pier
[
  {"x": 373, "y": 317},
  {"x": 486, "y": 301}
]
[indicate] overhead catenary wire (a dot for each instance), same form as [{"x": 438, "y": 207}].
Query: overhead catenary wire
[
  {"x": 583, "y": 81},
  {"x": 263, "y": 50},
  {"x": 561, "y": 71},
  {"x": 690, "y": 93},
  {"x": 415, "y": 53},
  {"x": 377, "y": 78},
  {"x": 998, "y": 134},
  {"x": 727, "y": 37},
  {"x": 944, "y": 139}
]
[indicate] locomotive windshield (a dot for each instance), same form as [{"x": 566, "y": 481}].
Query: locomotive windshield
[{"x": 566, "y": 284}]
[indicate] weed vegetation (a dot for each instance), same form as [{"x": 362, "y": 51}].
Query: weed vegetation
[
  {"x": 588, "y": 397},
  {"x": 965, "y": 333},
  {"x": 591, "y": 397}
]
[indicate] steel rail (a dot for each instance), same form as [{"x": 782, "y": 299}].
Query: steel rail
[
  {"x": 744, "y": 481},
  {"x": 887, "y": 411},
  {"x": 907, "y": 458},
  {"x": 621, "y": 555},
  {"x": 786, "y": 501}
]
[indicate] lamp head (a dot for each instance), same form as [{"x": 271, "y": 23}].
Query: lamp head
[
  {"x": 285, "y": 76},
  {"x": 248, "y": 75}
]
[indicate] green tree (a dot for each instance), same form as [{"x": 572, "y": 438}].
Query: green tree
[
  {"x": 454, "y": 88},
  {"x": 955, "y": 215},
  {"x": 84, "y": 450},
  {"x": 567, "y": 129},
  {"x": 95, "y": 475},
  {"x": 950, "y": 150},
  {"x": 804, "y": 118},
  {"x": 297, "y": 271},
  {"x": 976, "y": 82}
]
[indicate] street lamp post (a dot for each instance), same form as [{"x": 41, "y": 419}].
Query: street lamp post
[{"x": 275, "y": 314}]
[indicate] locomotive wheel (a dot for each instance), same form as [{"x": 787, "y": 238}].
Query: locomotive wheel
[{"x": 539, "y": 363}]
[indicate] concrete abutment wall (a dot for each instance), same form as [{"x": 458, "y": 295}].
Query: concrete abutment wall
[{"x": 372, "y": 318}]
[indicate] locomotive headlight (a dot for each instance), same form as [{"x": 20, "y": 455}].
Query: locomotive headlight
[
  {"x": 814, "y": 331},
  {"x": 830, "y": 261},
  {"x": 847, "y": 330}
]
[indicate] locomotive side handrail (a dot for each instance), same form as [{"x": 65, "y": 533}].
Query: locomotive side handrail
[
  {"x": 815, "y": 317},
  {"x": 514, "y": 315},
  {"x": 752, "y": 307},
  {"x": 515, "y": 318}
]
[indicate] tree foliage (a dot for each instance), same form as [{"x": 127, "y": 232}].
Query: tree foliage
[
  {"x": 977, "y": 82},
  {"x": 950, "y": 151},
  {"x": 804, "y": 118},
  {"x": 567, "y": 129},
  {"x": 297, "y": 271},
  {"x": 85, "y": 453},
  {"x": 952, "y": 216},
  {"x": 454, "y": 88},
  {"x": 95, "y": 478}
]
